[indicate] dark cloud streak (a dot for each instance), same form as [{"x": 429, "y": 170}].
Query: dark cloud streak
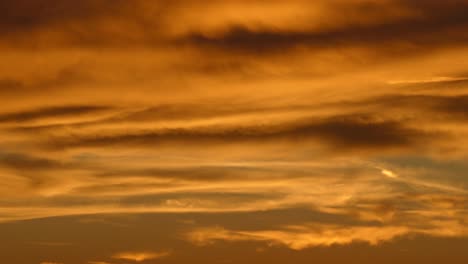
[
  {"x": 344, "y": 132},
  {"x": 50, "y": 112},
  {"x": 441, "y": 24}
]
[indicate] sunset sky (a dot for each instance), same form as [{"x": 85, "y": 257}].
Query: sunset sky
[{"x": 233, "y": 131}]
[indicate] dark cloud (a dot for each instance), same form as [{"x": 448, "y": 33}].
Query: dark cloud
[
  {"x": 344, "y": 132},
  {"x": 66, "y": 77},
  {"x": 40, "y": 171},
  {"x": 64, "y": 111},
  {"x": 24, "y": 15},
  {"x": 361, "y": 133},
  {"x": 438, "y": 24},
  {"x": 86, "y": 23},
  {"x": 28, "y": 163},
  {"x": 456, "y": 106},
  {"x": 10, "y": 85}
]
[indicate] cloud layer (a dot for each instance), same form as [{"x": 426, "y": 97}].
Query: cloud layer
[{"x": 343, "y": 121}]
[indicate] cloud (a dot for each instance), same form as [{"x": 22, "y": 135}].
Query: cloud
[
  {"x": 290, "y": 123},
  {"x": 408, "y": 34},
  {"x": 10, "y": 85},
  {"x": 302, "y": 237},
  {"x": 389, "y": 173},
  {"x": 25, "y": 162},
  {"x": 25, "y": 17},
  {"x": 347, "y": 133},
  {"x": 139, "y": 24},
  {"x": 51, "y": 112},
  {"x": 69, "y": 75},
  {"x": 447, "y": 106},
  {"x": 26, "y": 14},
  {"x": 431, "y": 80},
  {"x": 141, "y": 256},
  {"x": 318, "y": 235}
]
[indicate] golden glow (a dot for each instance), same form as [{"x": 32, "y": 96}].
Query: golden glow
[
  {"x": 389, "y": 174},
  {"x": 141, "y": 256}
]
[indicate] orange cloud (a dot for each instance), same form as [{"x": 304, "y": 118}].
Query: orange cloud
[
  {"x": 301, "y": 237},
  {"x": 315, "y": 235},
  {"x": 141, "y": 256}
]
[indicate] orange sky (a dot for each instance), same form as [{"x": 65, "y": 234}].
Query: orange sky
[{"x": 233, "y": 131}]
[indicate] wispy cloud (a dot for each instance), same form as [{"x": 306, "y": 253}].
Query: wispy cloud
[
  {"x": 316, "y": 235},
  {"x": 301, "y": 237},
  {"x": 430, "y": 80}
]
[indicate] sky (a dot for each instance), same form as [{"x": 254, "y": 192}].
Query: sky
[{"x": 233, "y": 131}]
